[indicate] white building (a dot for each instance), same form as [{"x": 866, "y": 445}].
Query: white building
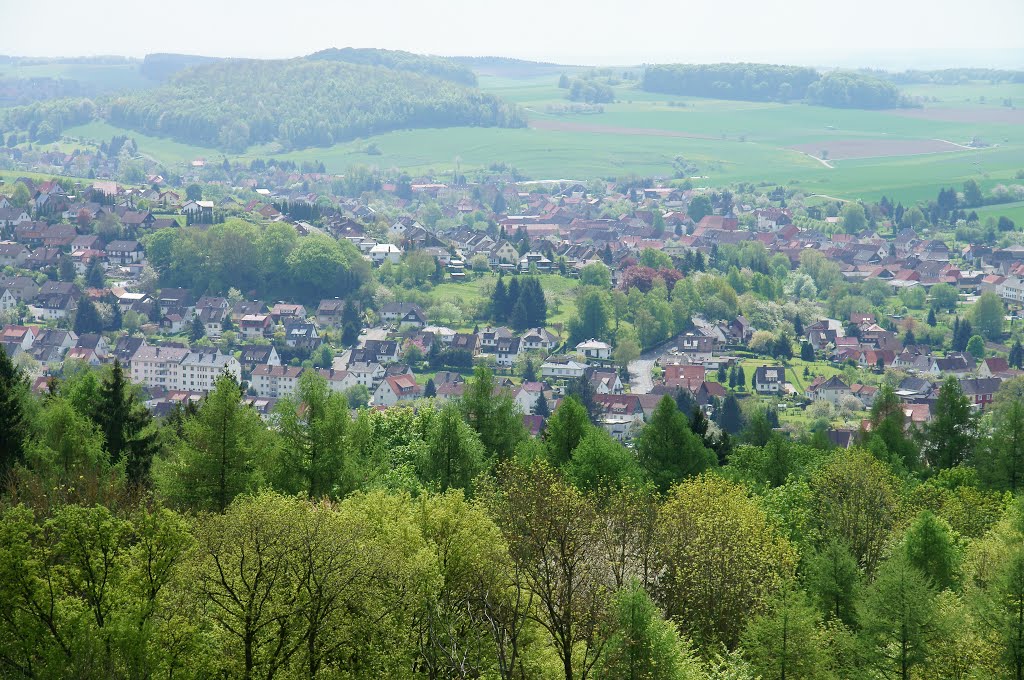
[
  {"x": 595, "y": 349},
  {"x": 396, "y": 388},
  {"x": 562, "y": 371},
  {"x": 385, "y": 252},
  {"x": 275, "y": 381},
  {"x": 158, "y": 366},
  {"x": 199, "y": 370}
]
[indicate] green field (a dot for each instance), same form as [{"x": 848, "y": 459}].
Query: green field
[
  {"x": 1015, "y": 211},
  {"x": 871, "y": 153}
]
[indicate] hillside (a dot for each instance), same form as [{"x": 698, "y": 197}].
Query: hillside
[
  {"x": 399, "y": 60},
  {"x": 299, "y": 103},
  {"x": 767, "y": 82}
]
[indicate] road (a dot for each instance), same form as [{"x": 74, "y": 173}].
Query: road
[{"x": 640, "y": 381}]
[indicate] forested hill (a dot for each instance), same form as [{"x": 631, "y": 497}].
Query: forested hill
[
  {"x": 162, "y": 66},
  {"x": 299, "y": 103},
  {"x": 400, "y": 61},
  {"x": 766, "y": 82}
]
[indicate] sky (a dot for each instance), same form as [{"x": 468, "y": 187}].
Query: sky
[{"x": 885, "y": 33}]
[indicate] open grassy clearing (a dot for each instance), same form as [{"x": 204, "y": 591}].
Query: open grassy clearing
[{"x": 558, "y": 289}]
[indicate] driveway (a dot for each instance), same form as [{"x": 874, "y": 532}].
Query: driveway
[{"x": 640, "y": 380}]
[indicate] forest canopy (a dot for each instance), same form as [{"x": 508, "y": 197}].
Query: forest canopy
[
  {"x": 767, "y": 82},
  {"x": 299, "y": 103}
]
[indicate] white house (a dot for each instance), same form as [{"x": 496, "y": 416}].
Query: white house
[
  {"x": 595, "y": 349},
  {"x": 539, "y": 339},
  {"x": 396, "y": 388},
  {"x": 562, "y": 371},
  {"x": 385, "y": 252},
  {"x": 769, "y": 379},
  {"x": 506, "y": 352}
]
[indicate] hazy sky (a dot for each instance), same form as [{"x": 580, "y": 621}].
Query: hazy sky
[{"x": 567, "y": 31}]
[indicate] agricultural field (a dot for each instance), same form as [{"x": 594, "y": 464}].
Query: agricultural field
[{"x": 849, "y": 154}]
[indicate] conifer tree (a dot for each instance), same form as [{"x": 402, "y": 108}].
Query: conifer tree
[
  {"x": 13, "y": 420},
  {"x": 668, "y": 449},
  {"x": 87, "y": 318},
  {"x": 499, "y": 300},
  {"x": 126, "y": 425}
]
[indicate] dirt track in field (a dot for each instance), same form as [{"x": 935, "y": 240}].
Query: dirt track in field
[{"x": 839, "y": 149}]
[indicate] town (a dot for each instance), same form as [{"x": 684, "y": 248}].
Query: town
[{"x": 80, "y": 286}]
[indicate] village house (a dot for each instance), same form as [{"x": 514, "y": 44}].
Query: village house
[
  {"x": 329, "y": 312},
  {"x": 567, "y": 370},
  {"x": 158, "y": 366},
  {"x": 595, "y": 349},
  {"x": 253, "y": 355},
  {"x": 394, "y": 389},
  {"x": 831, "y": 390},
  {"x": 980, "y": 391},
  {"x": 769, "y": 379}
]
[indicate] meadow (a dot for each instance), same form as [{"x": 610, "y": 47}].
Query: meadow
[{"x": 852, "y": 154}]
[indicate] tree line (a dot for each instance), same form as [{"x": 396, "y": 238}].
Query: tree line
[
  {"x": 445, "y": 542},
  {"x": 765, "y": 82}
]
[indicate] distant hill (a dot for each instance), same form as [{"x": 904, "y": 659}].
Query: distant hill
[
  {"x": 769, "y": 82},
  {"x": 161, "y": 66},
  {"x": 445, "y": 69},
  {"x": 231, "y": 104},
  {"x": 506, "y": 67}
]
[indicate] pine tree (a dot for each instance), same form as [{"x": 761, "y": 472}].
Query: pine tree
[
  {"x": 806, "y": 351},
  {"x": 541, "y": 408},
  {"x": 87, "y": 318},
  {"x": 607, "y": 254},
  {"x": 430, "y": 389},
  {"x": 932, "y": 321},
  {"x": 668, "y": 449},
  {"x": 529, "y": 371},
  {"x": 1016, "y": 359},
  {"x": 519, "y": 319},
  {"x": 197, "y": 331},
  {"x": 499, "y": 300},
  {"x": 731, "y": 418},
  {"x": 512, "y": 297},
  {"x": 13, "y": 420},
  {"x": 741, "y": 378},
  {"x": 798, "y": 326},
  {"x": 94, "y": 277},
  {"x": 951, "y": 435},
  {"x": 126, "y": 426}
]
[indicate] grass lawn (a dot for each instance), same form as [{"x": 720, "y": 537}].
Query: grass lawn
[
  {"x": 474, "y": 291},
  {"x": 794, "y": 371}
]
